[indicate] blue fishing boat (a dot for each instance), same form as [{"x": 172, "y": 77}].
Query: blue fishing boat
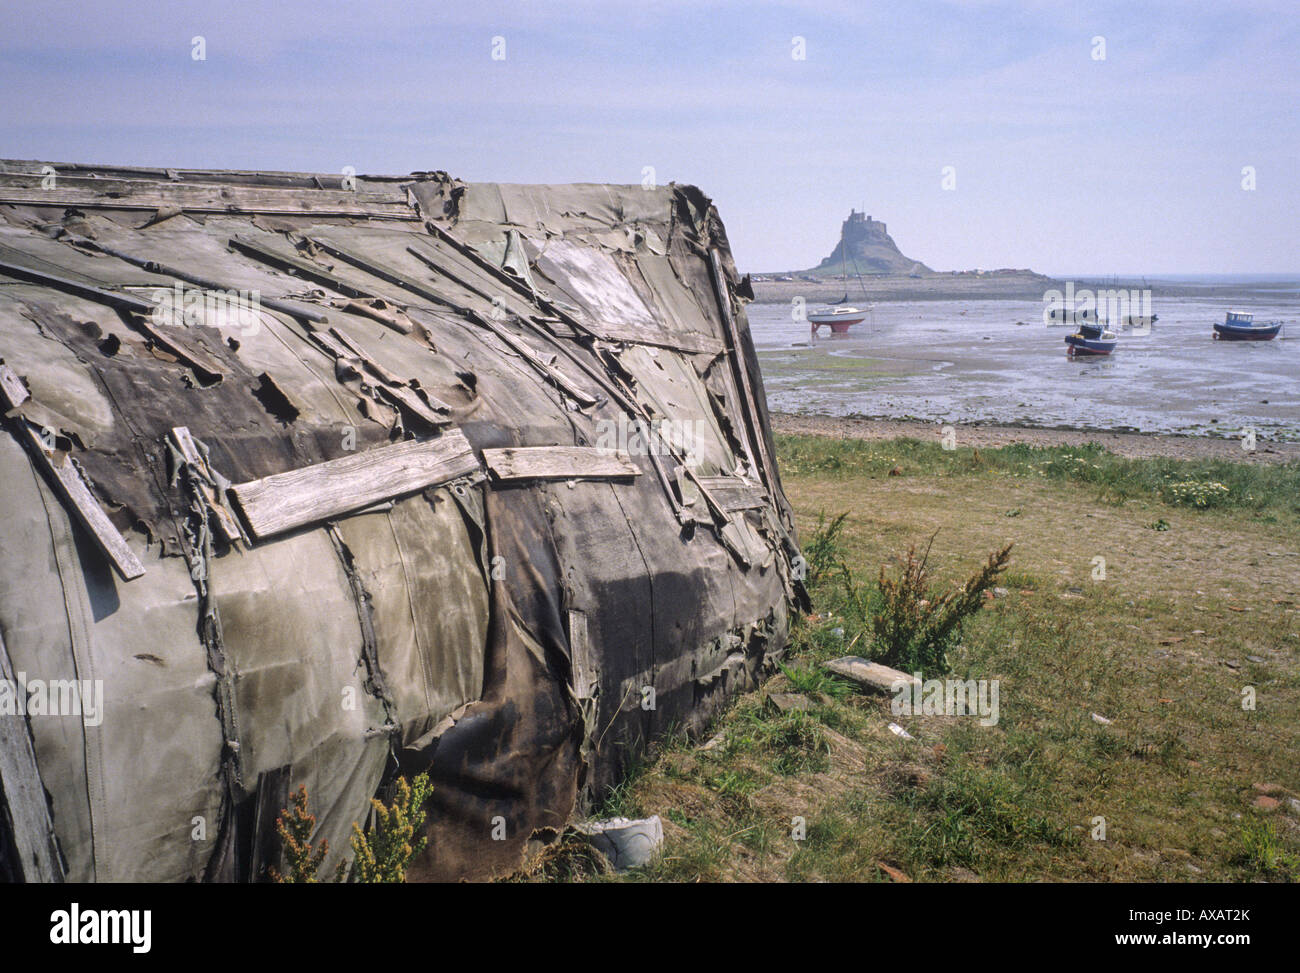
[
  {"x": 1240, "y": 326},
  {"x": 1090, "y": 339}
]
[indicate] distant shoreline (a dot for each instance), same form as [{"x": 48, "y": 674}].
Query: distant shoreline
[
  {"x": 1129, "y": 444},
  {"x": 995, "y": 285},
  {"x": 1024, "y": 285}
]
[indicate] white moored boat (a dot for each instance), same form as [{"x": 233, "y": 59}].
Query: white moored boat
[{"x": 840, "y": 319}]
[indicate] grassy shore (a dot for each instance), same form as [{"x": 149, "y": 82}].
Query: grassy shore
[{"x": 1122, "y": 682}]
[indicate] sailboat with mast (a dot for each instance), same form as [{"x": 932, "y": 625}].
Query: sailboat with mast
[{"x": 835, "y": 314}]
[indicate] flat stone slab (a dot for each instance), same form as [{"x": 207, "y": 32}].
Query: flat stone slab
[
  {"x": 870, "y": 675},
  {"x": 785, "y": 702}
]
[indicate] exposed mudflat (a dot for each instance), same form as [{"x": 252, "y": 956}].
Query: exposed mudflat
[{"x": 997, "y": 362}]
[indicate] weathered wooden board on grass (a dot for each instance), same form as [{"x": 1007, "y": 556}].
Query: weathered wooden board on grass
[
  {"x": 870, "y": 675},
  {"x": 296, "y": 498},
  {"x": 557, "y": 463}
]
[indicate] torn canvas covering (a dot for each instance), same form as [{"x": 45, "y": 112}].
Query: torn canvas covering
[{"x": 310, "y": 480}]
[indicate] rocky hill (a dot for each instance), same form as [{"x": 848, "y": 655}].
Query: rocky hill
[{"x": 870, "y": 250}]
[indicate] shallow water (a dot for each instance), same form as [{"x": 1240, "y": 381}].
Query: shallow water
[{"x": 996, "y": 361}]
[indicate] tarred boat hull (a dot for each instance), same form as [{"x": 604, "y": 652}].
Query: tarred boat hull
[
  {"x": 1227, "y": 332},
  {"x": 1078, "y": 346}
]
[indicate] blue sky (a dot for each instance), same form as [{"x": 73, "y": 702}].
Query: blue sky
[{"x": 1063, "y": 163}]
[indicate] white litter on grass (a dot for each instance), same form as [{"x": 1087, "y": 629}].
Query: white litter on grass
[
  {"x": 1098, "y": 718},
  {"x": 897, "y": 730},
  {"x": 626, "y": 843}
]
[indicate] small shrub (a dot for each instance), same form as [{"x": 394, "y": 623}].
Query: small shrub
[
  {"x": 915, "y": 626},
  {"x": 295, "y": 829},
  {"x": 385, "y": 851},
  {"x": 824, "y": 551}
]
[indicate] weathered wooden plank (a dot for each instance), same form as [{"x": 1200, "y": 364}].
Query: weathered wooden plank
[
  {"x": 101, "y": 295},
  {"x": 390, "y": 317},
  {"x": 584, "y": 670},
  {"x": 83, "y": 505},
  {"x": 350, "y": 347},
  {"x": 93, "y": 175},
  {"x": 296, "y": 498},
  {"x": 750, "y": 404},
  {"x": 22, "y": 793},
  {"x": 205, "y": 368},
  {"x": 492, "y": 270},
  {"x": 435, "y": 413},
  {"x": 67, "y": 480},
  {"x": 199, "y": 198},
  {"x": 487, "y": 290},
  {"x": 407, "y": 401},
  {"x": 733, "y": 493},
  {"x": 12, "y": 391},
  {"x": 187, "y": 446},
  {"x": 558, "y": 463},
  {"x": 691, "y": 344},
  {"x": 206, "y": 484},
  {"x": 584, "y": 663},
  {"x": 153, "y": 267},
  {"x": 297, "y": 266},
  {"x": 554, "y": 375},
  {"x": 97, "y": 173},
  {"x": 870, "y": 675},
  {"x": 329, "y": 344}
]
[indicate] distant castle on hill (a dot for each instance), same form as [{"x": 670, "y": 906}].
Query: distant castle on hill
[
  {"x": 866, "y": 247},
  {"x": 869, "y": 226}
]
